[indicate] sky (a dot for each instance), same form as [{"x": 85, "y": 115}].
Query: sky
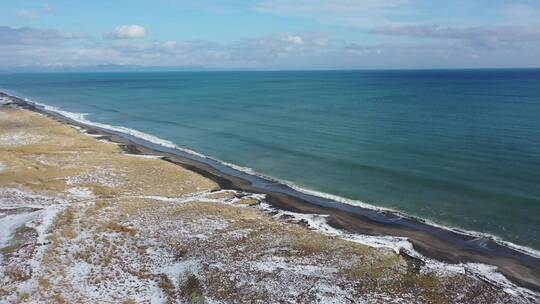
[{"x": 271, "y": 34}]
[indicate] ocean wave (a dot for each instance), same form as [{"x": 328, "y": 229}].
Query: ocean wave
[{"x": 81, "y": 118}]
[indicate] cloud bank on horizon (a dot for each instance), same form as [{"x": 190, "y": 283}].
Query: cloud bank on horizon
[{"x": 272, "y": 34}]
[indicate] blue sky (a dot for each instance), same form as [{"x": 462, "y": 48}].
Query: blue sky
[{"x": 271, "y": 34}]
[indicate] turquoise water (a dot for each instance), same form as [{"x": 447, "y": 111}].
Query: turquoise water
[{"x": 460, "y": 148}]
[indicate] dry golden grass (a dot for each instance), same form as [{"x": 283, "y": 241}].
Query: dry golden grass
[
  {"x": 63, "y": 152},
  {"x": 168, "y": 287},
  {"x": 221, "y": 195},
  {"x": 25, "y": 170},
  {"x": 23, "y": 297},
  {"x": 249, "y": 201},
  {"x": 192, "y": 290},
  {"x": 63, "y": 225},
  {"x": 312, "y": 243},
  {"x": 44, "y": 282},
  {"x": 57, "y": 298},
  {"x": 21, "y": 236},
  {"x": 16, "y": 274},
  {"x": 103, "y": 191},
  {"x": 215, "y": 209},
  {"x": 116, "y": 227}
]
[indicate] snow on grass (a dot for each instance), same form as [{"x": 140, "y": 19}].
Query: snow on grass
[
  {"x": 284, "y": 279},
  {"x": 178, "y": 271},
  {"x": 19, "y": 138},
  {"x": 104, "y": 266},
  {"x": 275, "y": 264},
  {"x": 399, "y": 244},
  {"x": 109, "y": 177},
  {"x": 14, "y": 198},
  {"x": 319, "y": 223},
  {"x": 81, "y": 192},
  {"x": 29, "y": 259},
  {"x": 255, "y": 271},
  {"x": 490, "y": 274},
  {"x": 45, "y": 220},
  {"x": 228, "y": 197},
  {"x": 9, "y": 224}
]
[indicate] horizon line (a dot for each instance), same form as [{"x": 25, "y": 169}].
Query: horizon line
[{"x": 156, "y": 69}]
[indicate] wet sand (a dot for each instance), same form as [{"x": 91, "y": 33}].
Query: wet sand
[{"x": 433, "y": 242}]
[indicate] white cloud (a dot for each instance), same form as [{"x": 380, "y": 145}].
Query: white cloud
[
  {"x": 345, "y": 12},
  {"x": 362, "y": 51},
  {"x": 518, "y": 13},
  {"x": 29, "y": 46},
  {"x": 294, "y": 39},
  {"x": 477, "y": 47},
  {"x": 34, "y": 36},
  {"x": 323, "y": 41},
  {"x": 48, "y": 7},
  {"x": 126, "y": 32},
  {"x": 24, "y": 14},
  {"x": 480, "y": 37}
]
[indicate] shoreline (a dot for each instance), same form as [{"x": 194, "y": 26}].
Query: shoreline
[{"x": 431, "y": 241}]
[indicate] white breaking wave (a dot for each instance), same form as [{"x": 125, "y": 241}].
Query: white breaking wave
[
  {"x": 81, "y": 118},
  {"x": 4, "y": 101},
  {"x": 476, "y": 234}
]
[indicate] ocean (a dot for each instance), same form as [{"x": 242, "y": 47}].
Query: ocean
[{"x": 459, "y": 148}]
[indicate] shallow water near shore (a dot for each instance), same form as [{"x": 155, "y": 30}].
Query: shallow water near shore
[{"x": 459, "y": 148}]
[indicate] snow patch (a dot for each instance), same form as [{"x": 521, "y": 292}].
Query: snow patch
[
  {"x": 179, "y": 271},
  {"x": 490, "y": 274},
  {"x": 273, "y": 264},
  {"x": 144, "y": 156},
  {"x": 109, "y": 177},
  {"x": 84, "y": 193},
  {"x": 10, "y": 223},
  {"x": 4, "y": 101},
  {"x": 14, "y": 198},
  {"x": 18, "y": 139}
]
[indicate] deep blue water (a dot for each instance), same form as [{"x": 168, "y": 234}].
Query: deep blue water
[{"x": 458, "y": 147}]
